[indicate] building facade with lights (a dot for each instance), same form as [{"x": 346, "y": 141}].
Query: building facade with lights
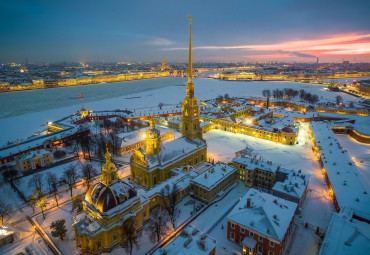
[
  {"x": 261, "y": 223},
  {"x": 107, "y": 205},
  {"x": 152, "y": 166}
]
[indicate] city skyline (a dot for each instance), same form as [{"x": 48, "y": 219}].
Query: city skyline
[{"x": 147, "y": 31}]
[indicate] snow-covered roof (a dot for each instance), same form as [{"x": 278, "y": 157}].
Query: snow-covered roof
[
  {"x": 173, "y": 150},
  {"x": 252, "y": 164},
  {"x": 137, "y": 135},
  {"x": 350, "y": 188},
  {"x": 268, "y": 215},
  {"x": 191, "y": 241},
  {"x": 346, "y": 236},
  {"x": 181, "y": 179},
  {"x": 294, "y": 184},
  {"x": 216, "y": 174},
  {"x": 33, "y": 154}
]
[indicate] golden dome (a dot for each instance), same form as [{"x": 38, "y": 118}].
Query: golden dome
[{"x": 104, "y": 198}]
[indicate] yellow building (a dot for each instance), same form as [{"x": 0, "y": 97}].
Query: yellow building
[
  {"x": 255, "y": 172},
  {"x": 152, "y": 166},
  {"x": 33, "y": 160},
  {"x": 207, "y": 185},
  {"x": 136, "y": 139},
  {"x": 107, "y": 205},
  {"x": 83, "y": 112}
]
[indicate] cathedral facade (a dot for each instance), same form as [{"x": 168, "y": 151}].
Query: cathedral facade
[
  {"x": 107, "y": 205},
  {"x": 152, "y": 166}
]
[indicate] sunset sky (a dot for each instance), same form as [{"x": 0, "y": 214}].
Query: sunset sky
[{"x": 147, "y": 30}]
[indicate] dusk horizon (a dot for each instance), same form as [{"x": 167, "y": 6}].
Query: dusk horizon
[{"x": 146, "y": 31}]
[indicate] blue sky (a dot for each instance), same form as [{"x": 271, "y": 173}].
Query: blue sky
[{"x": 148, "y": 30}]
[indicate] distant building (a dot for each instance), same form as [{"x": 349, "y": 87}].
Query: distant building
[
  {"x": 33, "y": 159},
  {"x": 164, "y": 66},
  {"x": 190, "y": 242},
  {"x": 261, "y": 223}
]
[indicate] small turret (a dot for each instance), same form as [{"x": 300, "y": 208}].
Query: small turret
[
  {"x": 109, "y": 170},
  {"x": 153, "y": 140}
]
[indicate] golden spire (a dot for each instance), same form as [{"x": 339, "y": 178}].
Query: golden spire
[
  {"x": 190, "y": 71},
  {"x": 190, "y": 85},
  {"x": 107, "y": 154}
]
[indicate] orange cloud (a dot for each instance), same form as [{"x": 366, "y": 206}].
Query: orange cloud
[{"x": 342, "y": 44}]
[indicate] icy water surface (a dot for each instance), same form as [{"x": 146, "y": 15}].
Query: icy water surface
[{"x": 22, "y": 102}]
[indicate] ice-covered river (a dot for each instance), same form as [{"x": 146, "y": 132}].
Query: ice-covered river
[{"x": 22, "y": 102}]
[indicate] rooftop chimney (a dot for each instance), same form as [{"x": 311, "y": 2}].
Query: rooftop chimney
[{"x": 248, "y": 203}]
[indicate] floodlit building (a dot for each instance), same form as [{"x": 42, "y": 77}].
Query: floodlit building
[
  {"x": 255, "y": 172},
  {"x": 32, "y": 160},
  {"x": 346, "y": 185},
  {"x": 261, "y": 223},
  {"x": 207, "y": 185},
  {"x": 107, "y": 205},
  {"x": 136, "y": 139},
  {"x": 152, "y": 166}
]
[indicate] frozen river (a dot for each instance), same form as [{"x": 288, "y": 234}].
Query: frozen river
[{"x": 22, "y": 102}]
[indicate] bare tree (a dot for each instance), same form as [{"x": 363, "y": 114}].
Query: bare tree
[
  {"x": 114, "y": 140},
  {"x": 88, "y": 173},
  {"x": 160, "y": 105},
  {"x": 9, "y": 174},
  {"x": 77, "y": 203},
  {"x": 157, "y": 224},
  {"x": 70, "y": 176},
  {"x": 4, "y": 211},
  {"x": 169, "y": 198},
  {"x": 129, "y": 235},
  {"x": 51, "y": 179},
  {"x": 35, "y": 182}
]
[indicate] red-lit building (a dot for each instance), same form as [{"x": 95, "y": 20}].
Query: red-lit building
[{"x": 261, "y": 223}]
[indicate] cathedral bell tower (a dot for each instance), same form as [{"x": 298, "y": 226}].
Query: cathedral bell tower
[
  {"x": 152, "y": 140},
  {"x": 109, "y": 171},
  {"x": 190, "y": 109}
]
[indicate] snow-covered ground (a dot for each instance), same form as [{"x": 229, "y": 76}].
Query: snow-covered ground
[
  {"x": 25, "y": 238},
  {"x": 58, "y": 171},
  {"x": 317, "y": 208}
]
